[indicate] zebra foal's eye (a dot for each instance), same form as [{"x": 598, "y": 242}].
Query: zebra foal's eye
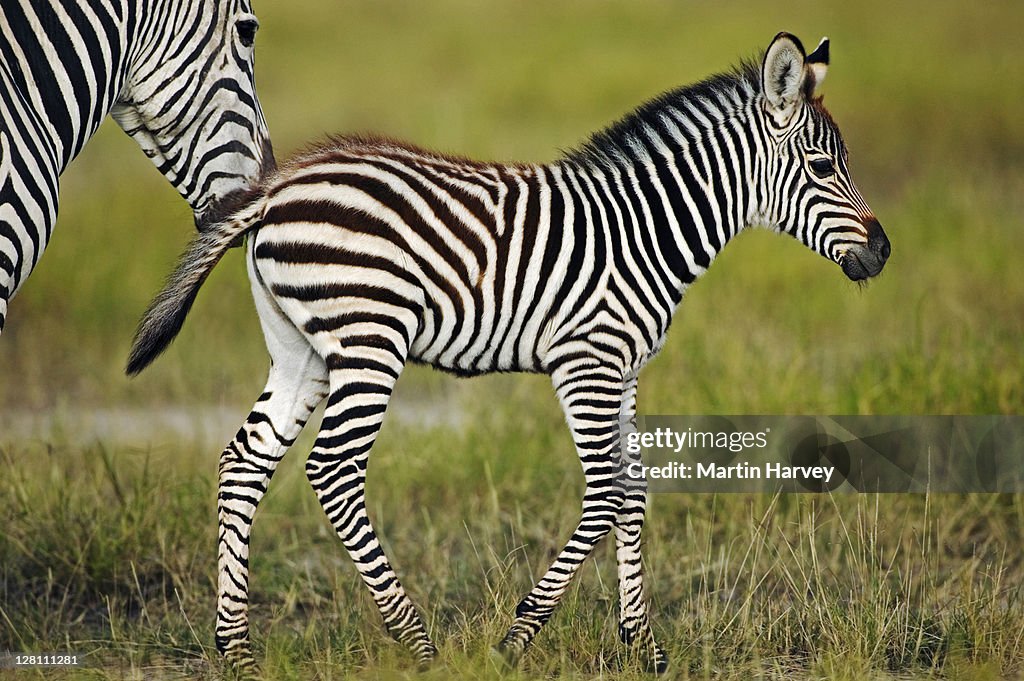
[
  {"x": 822, "y": 167},
  {"x": 247, "y": 31}
]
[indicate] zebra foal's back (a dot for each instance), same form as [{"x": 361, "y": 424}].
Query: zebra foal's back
[{"x": 458, "y": 250}]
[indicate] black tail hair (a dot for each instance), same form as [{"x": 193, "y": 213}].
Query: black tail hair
[{"x": 166, "y": 314}]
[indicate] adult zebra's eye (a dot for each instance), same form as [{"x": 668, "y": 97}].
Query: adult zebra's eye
[
  {"x": 247, "y": 31},
  {"x": 822, "y": 167}
]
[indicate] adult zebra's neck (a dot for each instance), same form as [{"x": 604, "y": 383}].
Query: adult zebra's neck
[
  {"x": 67, "y": 59},
  {"x": 683, "y": 167}
]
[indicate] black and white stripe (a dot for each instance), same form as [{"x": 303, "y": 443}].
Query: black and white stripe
[
  {"x": 177, "y": 76},
  {"x": 365, "y": 254}
]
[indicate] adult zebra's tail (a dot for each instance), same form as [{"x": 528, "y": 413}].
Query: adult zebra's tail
[{"x": 166, "y": 314}]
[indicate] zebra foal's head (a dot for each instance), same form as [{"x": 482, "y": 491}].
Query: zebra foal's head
[
  {"x": 190, "y": 101},
  {"x": 811, "y": 194}
]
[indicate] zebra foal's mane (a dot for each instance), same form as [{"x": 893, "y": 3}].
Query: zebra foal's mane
[
  {"x": 617, "y": 140},
  {"x": 376, "y": 143},
  {"x": 606, "y": 145}
]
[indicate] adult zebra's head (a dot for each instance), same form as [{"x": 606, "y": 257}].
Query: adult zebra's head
[
  {"x": 811, "y": 194},
  {"x": 189, "y": 99}
]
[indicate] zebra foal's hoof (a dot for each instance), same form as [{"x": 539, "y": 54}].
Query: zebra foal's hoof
[
  {"x": 237, "y": 661},
  {"x": 504, "y": 658},
  {"x": 640, "y": 661},
  {"x": 426, "y": 659},
  {"x": 241, "y": 670}
]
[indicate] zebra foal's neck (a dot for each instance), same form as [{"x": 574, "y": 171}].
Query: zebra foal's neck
[{"x": 680, "y": 169}]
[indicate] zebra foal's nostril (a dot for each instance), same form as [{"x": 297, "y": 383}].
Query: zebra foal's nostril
[
  {"x": 885, "y": 250},
  {"x": 878, "y": 242}
]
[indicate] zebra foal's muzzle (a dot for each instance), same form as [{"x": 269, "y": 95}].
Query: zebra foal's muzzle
[{"x": 862, "y": 261}]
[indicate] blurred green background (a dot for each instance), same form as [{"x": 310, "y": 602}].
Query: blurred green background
[
  {"x": 930, "y": 97},
  {"x": 109, "y": 546}
]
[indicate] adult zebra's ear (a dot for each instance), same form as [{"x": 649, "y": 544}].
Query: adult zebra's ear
[{"x": 789, "y": 75}]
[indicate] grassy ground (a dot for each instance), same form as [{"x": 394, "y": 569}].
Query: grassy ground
[
  {"x": 120, "y": 566},
  {"x": 109, "y": 543}
]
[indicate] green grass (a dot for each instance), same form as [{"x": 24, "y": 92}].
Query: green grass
[
  {"x": 107, "y": 545},
  {"x": 120, "y": 566}
]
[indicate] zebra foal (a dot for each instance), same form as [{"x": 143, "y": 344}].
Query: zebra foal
[
  {"x": 176, "y": 75},
  {"x": 366, "y": 253}
]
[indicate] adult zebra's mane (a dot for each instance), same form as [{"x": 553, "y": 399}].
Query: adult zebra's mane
[{"x": 618, "y": 139}]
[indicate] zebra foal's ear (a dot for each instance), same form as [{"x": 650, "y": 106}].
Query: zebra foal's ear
[
  {"x": 817, "y": 65},
  {"x": 789, "y": 74}
]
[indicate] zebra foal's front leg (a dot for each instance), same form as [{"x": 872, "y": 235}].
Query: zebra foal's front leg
[
  {"x": 590, "y": 395},
  {"x": 634, "y": 619}
]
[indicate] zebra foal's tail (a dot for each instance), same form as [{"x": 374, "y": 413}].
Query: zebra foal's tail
[{"x": 166, "y": 314}]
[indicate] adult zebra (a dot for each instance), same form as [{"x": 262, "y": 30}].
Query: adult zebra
[
  {"x": 177, "y": 76},
  {"x": 370, "y": 253}
]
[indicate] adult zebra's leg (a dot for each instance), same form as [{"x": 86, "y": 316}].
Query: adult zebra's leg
[
  {"x": 590, "y": 395},
  {"x": 634, "y": 620},
  {"x": 7, "y": 214},
  {"x": 296, "y": 384},
  {"x": 28, "y": 195},
  {"x": 364, "y": 367}
]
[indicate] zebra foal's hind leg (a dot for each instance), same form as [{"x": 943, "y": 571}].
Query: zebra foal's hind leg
[
  {"x": 364, "y": 362},
  {"x": 634, "y": 619},
  {"x": 296, "y": 384}
]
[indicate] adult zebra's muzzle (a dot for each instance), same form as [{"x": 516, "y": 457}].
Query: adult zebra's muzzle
[
  {"x": 862, "y": 261},
  {"x": 246, "y": 189}
]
